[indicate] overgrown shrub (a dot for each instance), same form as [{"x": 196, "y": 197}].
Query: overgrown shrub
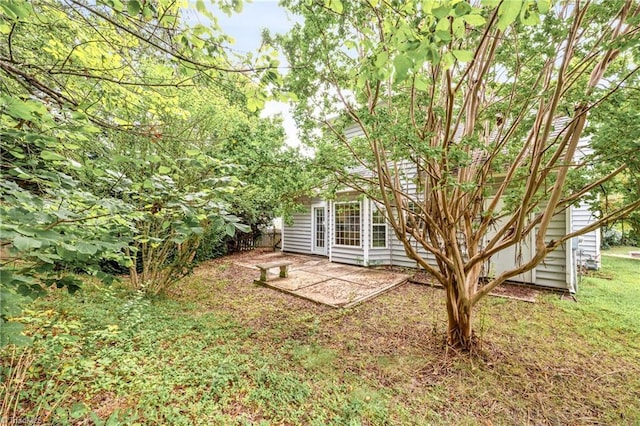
[
  {"x": 212, "y": 245},
  {"x": 611, "y": 237}
]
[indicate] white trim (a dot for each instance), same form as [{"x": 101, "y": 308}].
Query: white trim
[
  {"x": 330, "y": 230},
  {"x": 364, "y": 228},
  {"x": 571, "y": 278}
]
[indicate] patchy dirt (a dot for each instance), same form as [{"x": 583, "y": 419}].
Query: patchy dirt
[
  {"x": 517, "y": 292},
  {"x": 508, "y": 290}
]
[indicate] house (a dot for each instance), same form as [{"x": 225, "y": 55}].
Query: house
[{"x": 350, "y": 229}]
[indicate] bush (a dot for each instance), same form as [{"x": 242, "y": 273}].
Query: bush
[
  {"x": 611, "y": 237},
  {"x": 212, "y": 245}
]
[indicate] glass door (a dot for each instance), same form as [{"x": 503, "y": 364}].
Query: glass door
[{"x": 319, "y": 236}]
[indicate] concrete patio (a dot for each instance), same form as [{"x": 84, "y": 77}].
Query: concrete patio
[{"x": 333, "y": 284}]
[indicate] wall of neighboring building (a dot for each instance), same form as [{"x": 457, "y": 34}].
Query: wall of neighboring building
[
  {"x": 552, "y": 271},
  {"x": 588, "y": 244}
]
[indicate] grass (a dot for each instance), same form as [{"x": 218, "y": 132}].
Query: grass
[
  {"x": 619, "y": 250},
  {"x": 223, "y": 351}
]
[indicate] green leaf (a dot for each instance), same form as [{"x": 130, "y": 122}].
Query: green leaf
[
  {"x": 444, "y": 35},
  {"x": 14, "y": 11},
  {"x": 11, "y": 301},
  {"x": 7, "y": 11},
  {"x": 117, "y": 6},
  {"x": 19, "y": 109},
  {"x": 230, "y": 229},
  {"x": 134, "y": 7},
  {"x": 529, "y": 16},
  {"x": 51, "y": 156},
  {"x": 23, "y": 243},
  {"x": 164, "y": 170},
  {"x": 443, "y": 25},
  {"x": 475, "y": 20},
  {"x": 401, "y": 64},
  {"x": 421, "y": 83},
  {"x": 508, "y": 12},
  {"x": 200, "y": 7},
  {"x": 544, "y": 5},
  {"x": 463, "y": 55},
  {"x": 458, "y": 27},
  {"x": 86, "y": 248},
  {"x": 334, "y": 5},
  {"x": 242, "y": 227},
  {"x": 382, "y": 59},
  {"x": 11, "y": 333},
  {"x": 78, "y": 410},
  {"x": 441, "y": 12}
]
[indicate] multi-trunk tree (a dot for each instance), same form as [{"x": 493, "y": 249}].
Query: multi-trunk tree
[{"x": 480, "y": 105}]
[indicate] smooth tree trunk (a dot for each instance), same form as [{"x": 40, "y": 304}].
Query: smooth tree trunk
[
  {"x": 459, "y": 331},
  {"x": 459, "y": 307}
]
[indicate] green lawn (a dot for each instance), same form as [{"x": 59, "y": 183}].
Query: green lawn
[
  {"x": 223, "y": 351},
  {"x": 619, "y": 250}
]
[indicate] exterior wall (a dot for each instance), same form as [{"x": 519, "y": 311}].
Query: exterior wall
[
  {"x": 589, "y": 243},
  {"x": 296, "y": 238},
  {"x": 553, "y": 270}
]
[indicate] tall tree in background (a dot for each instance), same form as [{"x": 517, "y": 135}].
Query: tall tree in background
[
  {"x": 469, "y": 94},
  {"x": 614, "y": 129}
]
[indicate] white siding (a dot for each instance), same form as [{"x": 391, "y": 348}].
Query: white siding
[
  {"x": 589, "y": 243},
  {"x": 399, "y": 255},
  {"x": 552, "y": 272},
  {"x": 297, "y": 236}
]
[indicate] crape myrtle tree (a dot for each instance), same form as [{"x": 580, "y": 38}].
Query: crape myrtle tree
[{"x": 464, "y": 101}]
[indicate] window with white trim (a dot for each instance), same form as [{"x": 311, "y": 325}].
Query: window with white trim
[
  {"x": 378, "y": 228},
  {"x": 347, "y": 224}
]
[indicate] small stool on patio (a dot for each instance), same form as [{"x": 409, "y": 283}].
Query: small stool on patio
[{"x": 264, "y": 269}]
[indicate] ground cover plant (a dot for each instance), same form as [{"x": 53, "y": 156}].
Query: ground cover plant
[{"x": 220, "y": 350}]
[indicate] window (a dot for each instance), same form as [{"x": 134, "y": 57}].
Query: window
[
  {"x": 378, "y": 228},
  {"x": 347, "y": 224}
]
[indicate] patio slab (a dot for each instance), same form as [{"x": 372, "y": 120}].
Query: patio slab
[
  {"x": 332, "y": 270},
  {"x": 334, "y": 292},
  {"x": 321, "y": 281}
]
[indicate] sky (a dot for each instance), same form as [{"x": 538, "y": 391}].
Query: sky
[
  {"x": 246, "y": 30},
  {"x": 246, "y": 27}
]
